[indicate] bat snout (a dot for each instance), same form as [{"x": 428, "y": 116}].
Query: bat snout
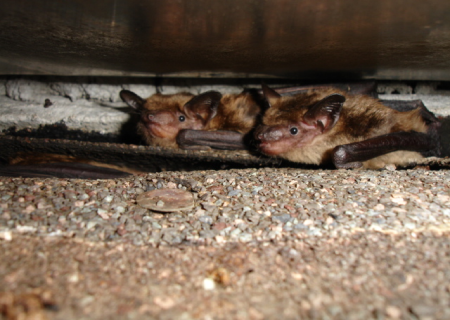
[
  {"x": 148, "y": 118},
  {"x": 268, "y": 134},
  {"x": 161, "y": 118},
  {"x": 272, "y": 140}
]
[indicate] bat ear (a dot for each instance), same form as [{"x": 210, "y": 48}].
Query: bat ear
[
  {"x": 326, "y": 112},
  {"x": 203, "y": 106},
  {"x": 132, "y": 99},
  {"x": 269, "y": 94}
]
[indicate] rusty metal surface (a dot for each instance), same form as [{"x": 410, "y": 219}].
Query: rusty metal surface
[{"x": 364, "y": 39}]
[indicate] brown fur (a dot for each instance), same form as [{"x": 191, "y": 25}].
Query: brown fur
[
  {"x": 172, "y": 103},
  {"x": 236, "y": 112},
  {"x": 361, "y": 118}
]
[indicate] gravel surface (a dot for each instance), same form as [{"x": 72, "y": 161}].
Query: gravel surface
[
  {"x": 259, "y": 243},
  {"x": 235, "y": 205}
]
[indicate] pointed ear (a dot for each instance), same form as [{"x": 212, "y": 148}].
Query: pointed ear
[
  {"x": 326, "y": 112},
  {"x": 132, "y": 99},
  {"x": 269, "y": 94},
  {"x": 203, "y": 106}
]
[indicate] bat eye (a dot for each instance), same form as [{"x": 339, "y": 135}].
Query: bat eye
[
  {"x": 294, "y": 131},
  {"x": 182, "y": 118}
]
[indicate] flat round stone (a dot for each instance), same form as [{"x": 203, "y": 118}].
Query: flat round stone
[{"x": 166, "y": 200}]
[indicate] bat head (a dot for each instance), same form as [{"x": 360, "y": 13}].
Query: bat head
[
  {"x": 293, "y": 122},
  {"x": 163, "y": 116}
]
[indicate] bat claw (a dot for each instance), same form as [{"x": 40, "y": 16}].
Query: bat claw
[
  {"x": 341, "y": 156},
  {"x": 348, "y": 165}
]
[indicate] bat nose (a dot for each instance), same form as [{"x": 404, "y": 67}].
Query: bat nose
[
  {"x": 259, "y": 133},
  {"x": 148, "y": 119},
  {"x": 268, "y": 134}
]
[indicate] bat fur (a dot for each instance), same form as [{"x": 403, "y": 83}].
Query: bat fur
[
  {"x": 329, "y": 125},
  {"x": 163, "y": 116}
]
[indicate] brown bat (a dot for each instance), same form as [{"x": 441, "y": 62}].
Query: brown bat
[
  {"x": 350, "y": 131},
  {"x": 230, "y": 116},
  {"x": 209, "y": 119}
]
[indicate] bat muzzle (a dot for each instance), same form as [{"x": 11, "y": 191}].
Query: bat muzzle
[{"x": 265, "y": 133}]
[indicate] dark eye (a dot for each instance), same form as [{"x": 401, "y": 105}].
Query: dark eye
[
  {"x": 294, "y": 131},
  {"x": 182, "y": 118}
]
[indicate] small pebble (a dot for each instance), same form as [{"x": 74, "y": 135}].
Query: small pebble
[
  {"x": 393, "y": 312},
  {"x": 209, "y": 284},
  {"x": 47, "y": 103}
]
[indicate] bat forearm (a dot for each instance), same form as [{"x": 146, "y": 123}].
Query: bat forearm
[
  {"x": 228, "y": 140},
  {"x": 403, "y": 105},
  {"x": 351, "y": 155},
  {"x": 368, "y": 88}
]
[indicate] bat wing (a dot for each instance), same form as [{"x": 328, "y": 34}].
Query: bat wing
[
  {"x": 367, "y": 88},
  {"x": 403, "y": 105},
  {"x": 352, "y": 155},
  {"x": 226, "y": 140}
]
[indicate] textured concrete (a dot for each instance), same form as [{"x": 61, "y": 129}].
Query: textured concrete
[
  {"x": 81, "y": 114},
  {"x": 437, "y": 101}
]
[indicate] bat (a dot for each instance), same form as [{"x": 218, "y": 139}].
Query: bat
[
  {"x": 209, "y": 119},
  {"x": 347, "y": 130},
  {"x": 163, "y": 117}
]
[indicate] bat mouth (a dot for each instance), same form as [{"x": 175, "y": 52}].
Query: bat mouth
[
  {"x": 159, "y": 131},
  {"x": 275, "y": 147},
  {"x": 268, "y": 148},
  {"x": 266, "y": 141}
]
